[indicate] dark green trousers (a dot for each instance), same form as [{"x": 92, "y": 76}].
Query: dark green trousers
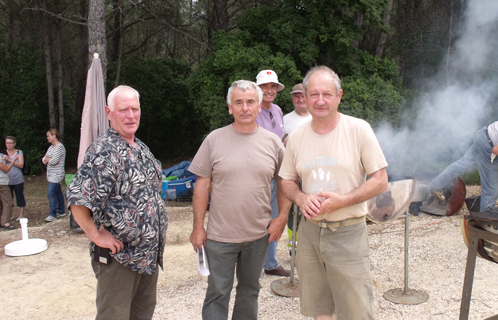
[{"x": 124, "y": 294}]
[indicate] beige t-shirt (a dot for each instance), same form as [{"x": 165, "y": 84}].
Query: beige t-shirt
[
  {"x": 241, "y": 167},
  {"x": 338, "y": 161}
]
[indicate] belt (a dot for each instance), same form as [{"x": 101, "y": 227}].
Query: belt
[
  {"x": 332, "y": 225},
  {"x": 488, "y": 138}
]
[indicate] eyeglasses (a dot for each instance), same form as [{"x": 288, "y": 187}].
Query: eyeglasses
[
  {"x": 273, "y": 123},
  {"x": 9, "y": 142}
]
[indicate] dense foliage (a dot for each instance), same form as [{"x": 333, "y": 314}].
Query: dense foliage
[{"x": 183, "y": 55}]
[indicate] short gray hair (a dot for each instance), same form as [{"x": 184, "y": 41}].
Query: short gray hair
[
  {"x": 244, "y": 85},
  {"x": 121, "y": 90},
  {"x": 337, "y": 81}
]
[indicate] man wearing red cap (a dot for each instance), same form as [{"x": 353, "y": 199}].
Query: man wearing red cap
[{"x": 272, "y": 119}]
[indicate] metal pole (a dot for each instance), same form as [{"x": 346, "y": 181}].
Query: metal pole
[
  {"x": 407, "y": 224},
  {"x": 405, "y": 295},
  {"x": 285, "y": 287},
  {"x": 294, "y": 231}
]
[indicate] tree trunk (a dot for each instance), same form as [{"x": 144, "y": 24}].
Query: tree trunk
[
  {"x": 190, "y": 43},
  {"x": 117, "y": 39},
  {"x": 217, "y": 17},
  {"x": 82, "y": 57},
  {"x": 450, "y": 36},
  {"x": 381, "y": 43},
  {"x": 358, "y": 22},
  {"x": 219, "y": 20},
  {"x": 48, "y": 66},
  {"x": 97, "y": 42},
  {"x": 117, "y": 8},
  {"x": 60, "y": 80}
]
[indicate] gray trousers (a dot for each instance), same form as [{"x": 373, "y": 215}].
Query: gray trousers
[
  {"x": 124, "y": 294},
  {"x": 224, "y": 259}
]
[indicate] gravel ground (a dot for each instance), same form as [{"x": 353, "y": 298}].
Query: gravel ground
[
  {"x": 59, "y": 283},
  {"x": 437, "y": 257}
]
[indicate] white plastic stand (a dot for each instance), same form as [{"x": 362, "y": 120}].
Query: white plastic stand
[{"x": 25, "y": 247}]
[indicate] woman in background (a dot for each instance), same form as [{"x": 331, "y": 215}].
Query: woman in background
[
  {"x": 5, "y": 196},
  {"x": 54, "y": 159},
  {"x": 15, "y": 174}
]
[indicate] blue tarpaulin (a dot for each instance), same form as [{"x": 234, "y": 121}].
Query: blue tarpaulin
[{"x": 179, "y": 170}]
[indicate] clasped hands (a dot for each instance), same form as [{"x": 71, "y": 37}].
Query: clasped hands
[{"x": 321, "y": 203}]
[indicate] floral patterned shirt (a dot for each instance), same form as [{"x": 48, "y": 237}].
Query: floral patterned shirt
[{"x": 120, "y": 184}]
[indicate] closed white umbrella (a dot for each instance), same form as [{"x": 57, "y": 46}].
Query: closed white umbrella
[{"x": 94, "y": 122}]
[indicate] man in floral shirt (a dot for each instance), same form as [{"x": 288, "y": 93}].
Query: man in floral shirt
[{"x": 115, "y": 198}]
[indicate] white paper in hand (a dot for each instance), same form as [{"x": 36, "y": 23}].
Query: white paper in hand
[{"x": 202, "y": 261}]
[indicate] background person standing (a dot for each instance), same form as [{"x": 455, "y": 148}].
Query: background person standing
[
  {"x": 15, "y": 174},
  {"x": 271, "y": 118},
  {"x": 6, "y": 203},
  {"x": 55, "y": 158},
  {"x": 299, "y": 115}
]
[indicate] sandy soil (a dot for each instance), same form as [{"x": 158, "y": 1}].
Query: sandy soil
[{"x": 59, "y": 283}]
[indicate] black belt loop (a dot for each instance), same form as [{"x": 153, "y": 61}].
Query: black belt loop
[{"x": 488, "y": 138}]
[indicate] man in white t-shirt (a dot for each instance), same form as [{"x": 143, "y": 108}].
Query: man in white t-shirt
[
  {"x": 300, "y": 115},
  {"x": 332, "y": 155},
  {"x": 292, "y": 120},
  {"x": 239, "y": 161}
]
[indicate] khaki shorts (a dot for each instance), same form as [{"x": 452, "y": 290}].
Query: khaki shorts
[{"x": 334, "y": 271}]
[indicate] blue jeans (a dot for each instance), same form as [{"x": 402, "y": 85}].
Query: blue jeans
[
  {"x": 247, "y": 259},
  {"x": 55, "y": 199},
  {"x": 479, "y": 155},
  {"x": 271, "y": 257}
]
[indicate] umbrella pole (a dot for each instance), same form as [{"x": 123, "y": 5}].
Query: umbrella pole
[
  {"x": 407, "y": 295},
  {"x": 284, "y": 287},
  {"x": 293, "y": 239}
]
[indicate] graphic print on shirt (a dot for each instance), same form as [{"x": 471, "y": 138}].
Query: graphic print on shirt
[{"x": 320, "y": 169}]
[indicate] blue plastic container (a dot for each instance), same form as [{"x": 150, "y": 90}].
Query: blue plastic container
[
  {"x": 182, "y": 185},
  {"x": 164, "y": 187}
]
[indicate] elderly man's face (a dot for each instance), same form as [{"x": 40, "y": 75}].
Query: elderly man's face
[
  {"x": 299, "y": 101},
  {"x": 321, "y": 97},
  {"x": 125, "y": 117},
  {"x": 269, "y": 91},
  {"x": 244, "y": 107}
]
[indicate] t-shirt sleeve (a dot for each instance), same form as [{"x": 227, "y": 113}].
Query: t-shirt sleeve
[
  {"x": 372, "y": 156},
  {"x": 202, "y": 164},
  {"x": 280, "y": 156},
  {"x": 288, "y": 167}
]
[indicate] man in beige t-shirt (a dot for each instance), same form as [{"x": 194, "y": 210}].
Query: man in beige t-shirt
[
  {"x": 332, "y": 156},
  {"x": 240, "y": 160}
]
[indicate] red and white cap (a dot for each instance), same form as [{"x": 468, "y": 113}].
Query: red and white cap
[{"x": 268, "y": 76}]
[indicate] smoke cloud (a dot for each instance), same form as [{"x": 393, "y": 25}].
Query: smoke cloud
[{"x": 446, "y": 118}]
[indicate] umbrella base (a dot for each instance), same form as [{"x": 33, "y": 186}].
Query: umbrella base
[
  {"x": 410, "y": 297},
  {"x": 283, "y": 287}
]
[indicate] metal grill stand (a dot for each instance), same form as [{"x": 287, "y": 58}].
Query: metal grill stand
[
  {"x": 475, "y": 235},
  {"x": 289, "y": 287},
  {"x": 406, "y": 295}
]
